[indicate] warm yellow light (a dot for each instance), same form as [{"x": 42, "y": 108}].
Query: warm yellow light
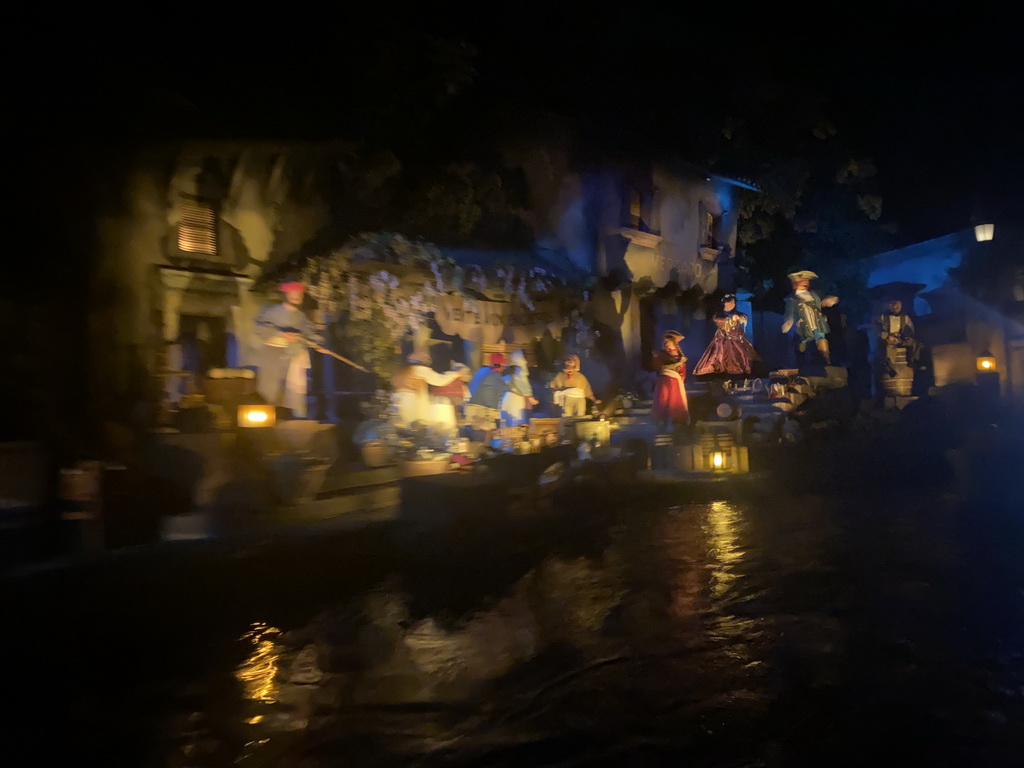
[
  {"x": 987, "y": 362},
  {"x": 984, "y": 232},
  {"x": 717, "y": 459},
  {"x": 254, "y": 416}
]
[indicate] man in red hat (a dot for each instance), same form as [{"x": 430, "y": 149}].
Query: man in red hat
[{"x": 287, "y": 336}]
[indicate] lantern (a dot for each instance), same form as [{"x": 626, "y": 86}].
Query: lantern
[
  {"x": 256, "y": 416},
  {"x": 983, "y": 232},
  {"x": 717, "y": 458},
  {"x": 986, "y": 363}
]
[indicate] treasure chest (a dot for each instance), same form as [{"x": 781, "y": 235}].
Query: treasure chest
[{"x": 539, "y": 427}]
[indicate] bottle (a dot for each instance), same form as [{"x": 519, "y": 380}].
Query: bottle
[{"x": 583, "y": 451}]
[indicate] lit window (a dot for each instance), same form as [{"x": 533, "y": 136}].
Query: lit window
[
  {"x": 635, "y": 210},
  {"x": 197, "y": 228},
  {"x": 639, "y": 209}
]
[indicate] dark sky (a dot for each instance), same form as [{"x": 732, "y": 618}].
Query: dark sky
[{"x": 930, "y": 90}]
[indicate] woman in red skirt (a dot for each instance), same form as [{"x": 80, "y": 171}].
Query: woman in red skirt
[{"x": 670, "y": 403}]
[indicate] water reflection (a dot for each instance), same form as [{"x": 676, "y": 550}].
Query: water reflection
[
  {"x": 687, "y": 625},
  {"x": 258, "y": 672},
  {"x": 721, "y": 525}
]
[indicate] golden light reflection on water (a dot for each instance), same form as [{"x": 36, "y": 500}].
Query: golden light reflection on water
[
  {"x": 258, "y": 671},
  {"x": 721, "y": 525}
]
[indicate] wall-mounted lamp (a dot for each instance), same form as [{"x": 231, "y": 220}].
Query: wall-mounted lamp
[
  {"x": 986, "y": 363},
  {"x": 983, "y": 232}
]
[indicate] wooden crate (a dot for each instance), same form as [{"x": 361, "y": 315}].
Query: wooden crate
[{"x": 539, "y": 426}]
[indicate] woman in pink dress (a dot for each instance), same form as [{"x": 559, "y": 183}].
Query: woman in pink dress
[
  {"x": 670, "y": 403},
  {"x": 729, "y": 352}
]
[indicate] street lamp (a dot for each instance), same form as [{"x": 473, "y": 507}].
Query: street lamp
[{"x": 983, "y": 232}]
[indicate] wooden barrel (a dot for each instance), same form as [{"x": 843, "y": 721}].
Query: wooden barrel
[{"x": 903, "y": 382}]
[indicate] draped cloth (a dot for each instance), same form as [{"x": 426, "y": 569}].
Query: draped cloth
[{"x": 412, "y": 400}]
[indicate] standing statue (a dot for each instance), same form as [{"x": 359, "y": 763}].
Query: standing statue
[
  {"x": 411, "y": 396},
  {"x": 572, "y": 390},
  {"x": 896, "y": 332},
  {"x": 670, "y": 401},
  {"x": 730, "y": 352},
  {"x": 287, "y": 336},
  {"x": 803, "y": 309},
  {"x": 518, "y": 402},
  {"x": 486, "y": 389},
  {"x": 447, "y": 399}
]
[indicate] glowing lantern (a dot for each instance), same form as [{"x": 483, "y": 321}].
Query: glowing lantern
[
  {"x": 718, "y": 458},
  {"x": 986, "y": 363},
  {"x": 256, "y": 416},
  {"x": 984, "y": 232}
]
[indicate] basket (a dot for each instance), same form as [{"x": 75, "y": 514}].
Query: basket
[{"x": 376, "y": 454}]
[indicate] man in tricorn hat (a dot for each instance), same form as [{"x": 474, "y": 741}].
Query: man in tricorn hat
[
  {"x": 287, "y": 335},
  {"x": 803, "y": 309}
]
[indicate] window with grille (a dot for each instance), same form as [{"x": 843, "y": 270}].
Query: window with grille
[{"x": 197, "y": 228}]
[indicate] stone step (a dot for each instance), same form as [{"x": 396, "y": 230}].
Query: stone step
[
  {"x": 349, "y": 478},
  {"x": 624, "y": 421},
  {"x": 758, "y": 408}
]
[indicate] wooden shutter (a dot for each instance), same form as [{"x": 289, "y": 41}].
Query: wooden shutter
[{"x": 197, "y": 228}]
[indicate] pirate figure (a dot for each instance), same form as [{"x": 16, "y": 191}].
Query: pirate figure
[
  {"x": 670, "y": 401},
  {"x": 572, "y": 390},
  {"x": 730, "y": 352},
  {"x": 518, "y": 402},
  {"x": 803, "y": 310},
  {"x": 411, "y": 392},
  {"x": 483, "y": 411},
  {"x": 896, "y": 332},
  {"x": 287, "y": 335}
]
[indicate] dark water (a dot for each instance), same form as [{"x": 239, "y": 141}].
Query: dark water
[{"x": 814, "y": 631}]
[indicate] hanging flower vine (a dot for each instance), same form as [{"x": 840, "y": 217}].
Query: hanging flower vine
[{"x": 386, "y": 285}]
